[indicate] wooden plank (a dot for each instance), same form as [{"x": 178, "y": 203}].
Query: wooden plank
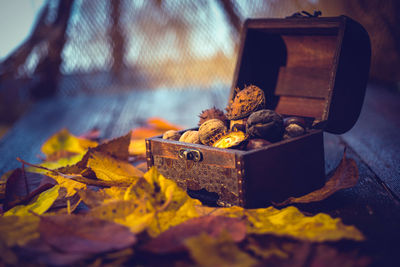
[
  {"x": 368, "y": 205},
  {"x": 303, "y": 81},
  {"x": 376, "y": 135},
  {"x": 301, "y": 106}
]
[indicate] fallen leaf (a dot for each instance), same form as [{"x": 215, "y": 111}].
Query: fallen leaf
[
  {"x": 153, "y": 127},
  {"x": 290, "y": 222},
  {"x": 22, "y": 186},
  {"x": 70, "y": 185},
  {"x": 162, "y": 124},
  {"x": 109, "y": 169},
  {"x": 117, "y": 148},
  {"x": 63, "y": 142},
  {"x": 345, "y": 176},
  {"x": 173, "y": 239},
  {"x": 84, "y": 234},
  {"x": 18, "y": 230},
  {"x": 38, "y": 206},
  {"x": 222, "y": 251}
]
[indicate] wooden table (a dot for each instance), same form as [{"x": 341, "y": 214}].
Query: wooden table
[{"x": 373, "y": 205}]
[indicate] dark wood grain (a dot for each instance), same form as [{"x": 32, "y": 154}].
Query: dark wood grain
[
  {"x": 373, "y": 143},
  {"x": 376, "y": 136}
]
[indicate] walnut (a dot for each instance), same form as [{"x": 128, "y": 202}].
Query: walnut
[
  {"x": 211, "y": 130},
  {"x": 266, "y": 124},
  {"x": 172, "y": 135},
  {"x": 190, "y": 137}
]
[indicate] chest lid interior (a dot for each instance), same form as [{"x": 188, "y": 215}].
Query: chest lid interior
[{"x": 310, "y": 67}]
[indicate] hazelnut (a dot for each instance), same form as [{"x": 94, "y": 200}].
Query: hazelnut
[
  {"x": 257, "y": 143},
  {"x": 190, "y": 137},
  {"x": 250, "y": 99},
  {"x": 172, "y": 135},
  {"x": 211, "y": 130},
  {"x": 294, "y": 120},
  {"x": 266, "y": 124},
  {"x": 293, "y": 130}
]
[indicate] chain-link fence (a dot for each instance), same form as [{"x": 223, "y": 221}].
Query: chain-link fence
[{"x": 82, "y": 46}]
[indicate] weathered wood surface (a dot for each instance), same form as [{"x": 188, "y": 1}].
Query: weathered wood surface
[{"x": 373, "y": 205}]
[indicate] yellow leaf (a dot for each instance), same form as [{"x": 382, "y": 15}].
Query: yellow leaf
[
  {"x": 56, "y": 164},
  {"x": 153, "y": 203},
  {"x": 290, "y": 222},
  {"x": 39, "y": 206},
  {"x": 222, "y": 251},
  {"x": 110, "y": 169},
  {"x": 162, "y": 124},
  {"x": 16, "y": 230},
  {"x": 70, "y": 185},
  {"x": 65, "y": 141},
  {"x": 137, "y": 147}
]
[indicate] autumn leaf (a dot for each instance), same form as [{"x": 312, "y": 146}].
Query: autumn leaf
[
  {"x": 153, "y": 127},
  {"x": 70, "y": 185},
  {"x": 116, "y": 148},
  {"x": 109, "y": 169},
  {"x": 289, "y": 222},
  {"x": 62, "y": 142},
  {"x": 84, "y": 234},
  {"x": 162, "y": 124},
  {"x": 173, "y": 239},
  {"x": 345, "y": 176},
  {"x": 221, "y": 251},
  {"x": 18, "y": 230},
  {"x": 38, "y": 206}
]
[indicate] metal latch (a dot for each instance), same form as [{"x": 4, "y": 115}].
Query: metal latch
[{"x": 190, "y": 154}]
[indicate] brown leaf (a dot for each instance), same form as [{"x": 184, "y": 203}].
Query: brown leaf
[
  {"x": 22, "y": 186},
  {"x": 117, "y": 148},
  {"x": 173, "y": 239},
  {"x": 345, "y": 176},
  {"x": 84, "y": 234},
  {"x": 222, "y": 251}
]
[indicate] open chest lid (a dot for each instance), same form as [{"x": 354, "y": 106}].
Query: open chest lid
[{"x": 309, "y": 67}]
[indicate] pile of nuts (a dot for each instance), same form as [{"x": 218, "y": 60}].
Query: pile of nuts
[{"x": 246, "y": 125}]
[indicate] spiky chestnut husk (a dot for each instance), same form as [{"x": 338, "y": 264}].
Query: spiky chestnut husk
[
  {"x": 211, "y": 130},
  {"x": 212, "y": 113},
  {"x": 247, "y": 101},
  {"x": 231, "y": 139}
]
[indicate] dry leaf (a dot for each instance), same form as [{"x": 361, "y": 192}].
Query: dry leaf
[
  {"x": 18, "y": 230},
  {"x": 162, "y": 124},
  {"x": 117, "y": 148},
  {"x": 58, "y": 145},
  {"x": 345, "y": 176},
  {"x": 38, "y": 206},
  {"x": 84, "y": 234},
  {"x": 109, "y": 169},
  {"x": 22, "y": 186},
  {"x": 222, "y": 251},
  {"x": 173, "y": 239},
  {"x": 290, "y": 222},
  {"x": 153, "y": 127},
  {"x": 70, "y": 185}
]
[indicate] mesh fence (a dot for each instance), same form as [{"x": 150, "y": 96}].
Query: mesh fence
[{"x": 111, "y": 45}]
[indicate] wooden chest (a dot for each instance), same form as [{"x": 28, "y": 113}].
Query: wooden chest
[{"x": 316, "y": 68}]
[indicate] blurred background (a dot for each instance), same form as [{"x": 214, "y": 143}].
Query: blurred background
[{"x": 75, "y": 47}]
